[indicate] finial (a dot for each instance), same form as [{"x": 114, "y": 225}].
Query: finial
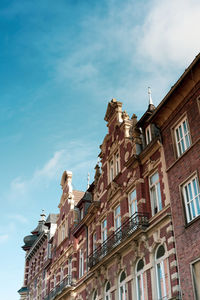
[
  {"x": 88, "y": 180},
  {"x": 150, "y": 98},
  {"x": 43, "y": 216}
]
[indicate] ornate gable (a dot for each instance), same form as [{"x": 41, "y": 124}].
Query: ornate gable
[{"x": 114, "y": 109}]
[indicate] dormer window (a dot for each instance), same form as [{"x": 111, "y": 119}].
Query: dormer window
[
  {"x": 148, "y": 135},
  {"x": 81, "y": 213}
]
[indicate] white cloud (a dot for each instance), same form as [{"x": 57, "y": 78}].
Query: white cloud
[
  {"x": 17, "y": 217},
  {"x": 3, "y": 238},
  {"x": 170, "y": 33},
  {"x": 77, "y": 157}
]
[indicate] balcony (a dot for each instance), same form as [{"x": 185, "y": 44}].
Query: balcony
[
  {"x": 66, "y": 282},
  {"x": 135, "y": 222}
]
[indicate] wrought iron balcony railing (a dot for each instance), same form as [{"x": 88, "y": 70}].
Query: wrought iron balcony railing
[
  {"x": 135, "y": 222},
  {"x": 66, "y": 282}
]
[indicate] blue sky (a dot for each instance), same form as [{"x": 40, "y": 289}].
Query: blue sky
[{"x": 60, "y": 64}]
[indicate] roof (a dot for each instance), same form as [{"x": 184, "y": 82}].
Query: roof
[
  {"x": 87, "y": 197},
  {"x": 52, "y": 218},
  {"x": 166, "y": 98},
  {"x": 78, "y": 195}
]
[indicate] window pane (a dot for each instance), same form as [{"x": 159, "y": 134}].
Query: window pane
[
  {"x": 196, "y": 279},
  {"x": 159, "y": 196},
  {"x": 154, "y": 178},
  {"x": 160, "y": 252},
  {"x": 182, "y": 137},
  {"x": 123, "y": 276}
]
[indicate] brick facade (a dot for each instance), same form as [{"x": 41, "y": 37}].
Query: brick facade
[{"x": 126, "y": 236}]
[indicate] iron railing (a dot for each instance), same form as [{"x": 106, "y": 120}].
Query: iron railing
[
  {"x": 66, "y": 282},
  {"x": 136, "y": 221}
]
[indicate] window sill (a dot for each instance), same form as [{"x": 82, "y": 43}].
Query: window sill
[{"x": 187, "y": 225}]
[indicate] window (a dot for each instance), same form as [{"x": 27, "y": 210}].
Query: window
[
  {"x": 94, "y": 241},
  {"x": 81, "y": 263},
  {"x": 62, "y": 232},
  {"x": 117, "y": 216},
  {"x": 182, "y": 137},
  {"x": 107, "y": 291},
  {"x": 161, "y": 274},
  {"x": 140, "y": 280},
  {"x": 70, "y": 267},
  {"x": 132, "y": 202},
  {"x": 155, "y": 195},
  {"x": 117, "y": 163},
  {"x": 196, "y": 279},
  {"x": 191, "y": 195},
  {"x": 104, "y": 230},
  {"x": 81, "y": 213},
  {"x": 35, "y": 283},
  {"x": 122, "y": 287},
  {"x": 148, "y": 135},
  {"x": 94, "y": 295},
  {"x": 111, "y": 170},
  {"x": 61, "y": 274},
  {"x": 114, "y": 166},
  {"x": 54, "y": 281}
]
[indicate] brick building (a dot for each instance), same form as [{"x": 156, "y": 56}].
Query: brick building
[
  {"x": 117, "y": 240},
  {"x": 178, "y": 117}
]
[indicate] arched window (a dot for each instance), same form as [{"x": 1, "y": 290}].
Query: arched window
[
  {"x": 161, "y": 273},
  {"x": 122, "y": 286},
  {"x": 140, "y": 280},
  {"x": 94, "y": 295},
  {"x": 107, "y": 291}
]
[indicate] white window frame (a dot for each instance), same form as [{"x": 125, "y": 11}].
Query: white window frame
[
  {"x": 122, "y": 288},
  {"x": 114, "y": 166},
  {"x": 117, "y": 163},
  {"x": 155, "y": 194},
  {"x": 111, "y": 170},
  {"x": 191, "y": 196},
  {"x": 140, "y": 278},
  {"x": 132, "y": 198},
  {"x": 117, "y": 217},
  {"x": 95, "y": 295},
  {"x": 182, "y": 136},
  {"x": 148, "y": 135},
  {"x": 81, "y": 263},
  {"x": 61, "y": 273},
  {"x": 104, "y": 230},
  {"x": 107, "y": 291},
  {"x": 54, "y": 281},
  {"x": 160, "y": 271},
  {"x": 195, "y": 281}
]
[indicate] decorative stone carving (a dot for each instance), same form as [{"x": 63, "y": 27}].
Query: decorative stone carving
[
  {"x": 114, "y": 107},
  {"x": 126, "y": 156},
  {"x": 125, "y": 116},
  {"x": 132, "y": 179},
  {"x": 97, "y": 174},
  {"x": 113, "y": 147},
  {"x": 114, "y": 188}
]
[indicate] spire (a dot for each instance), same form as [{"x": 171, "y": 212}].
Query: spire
[
  {"x": 150, "y": 98},
  {"x": 151, "y": 106},
  {"x": 43, "y": 216}
]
